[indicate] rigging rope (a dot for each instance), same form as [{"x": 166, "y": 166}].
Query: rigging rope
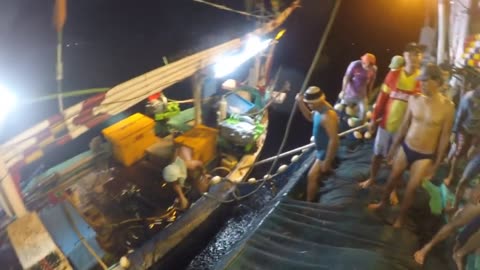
[{"x": 222, "y": 7}]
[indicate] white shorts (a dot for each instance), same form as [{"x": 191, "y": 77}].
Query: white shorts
[{"x": 383, "y": 142}]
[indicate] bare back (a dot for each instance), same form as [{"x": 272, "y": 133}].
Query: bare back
[{"x": 430, "y": 116}]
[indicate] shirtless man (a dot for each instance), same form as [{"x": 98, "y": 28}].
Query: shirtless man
[
  {"x": 469, "y": 216},
  {"x": 183, "y": 167},
  {"x": 316, "y": 109},
  {"x": 391, "y": 105},
  {"x": 423, "y": 135}
]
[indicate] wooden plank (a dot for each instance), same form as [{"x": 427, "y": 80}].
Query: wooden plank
[{"x": 33, "y": 245}]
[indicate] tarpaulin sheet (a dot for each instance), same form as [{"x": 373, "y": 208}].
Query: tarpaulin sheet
[{"x": 338, "y": 232}]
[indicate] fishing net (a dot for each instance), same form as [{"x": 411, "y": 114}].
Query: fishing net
[{"x": 338, "y": 232}]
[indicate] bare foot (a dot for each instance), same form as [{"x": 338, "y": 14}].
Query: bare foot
[
  {"x": 376, "y": 206},
  {"x": 183, "y": 203},
  {"x": 458, "y": 260},
  {"x": 419, "y": 256},
  {"x": 394, "y": 198},
  {"x": 366, "y": 184},
  {"x": 447, "y": 181},
  {"x": 398, "y": 224}
]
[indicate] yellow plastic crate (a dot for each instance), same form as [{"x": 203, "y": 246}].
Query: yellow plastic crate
[
  {"x": 202, "y": 140},
  {"x": 130, "y": 137}
]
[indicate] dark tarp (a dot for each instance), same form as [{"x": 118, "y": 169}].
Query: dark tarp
[{"x": 338, "y": 232}]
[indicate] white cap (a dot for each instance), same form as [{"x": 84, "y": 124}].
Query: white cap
[{"x": 176, "y": 171}]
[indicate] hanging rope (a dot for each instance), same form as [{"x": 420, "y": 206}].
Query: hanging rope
[{"x": 307, "y": 79}]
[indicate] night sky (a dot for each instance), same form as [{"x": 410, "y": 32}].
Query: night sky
[{"x": 110, "y": 41}]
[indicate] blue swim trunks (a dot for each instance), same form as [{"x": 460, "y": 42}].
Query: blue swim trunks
[{"x": 320, "y": 154}]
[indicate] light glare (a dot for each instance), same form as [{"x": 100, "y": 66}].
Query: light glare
[
  {"x": 228, "y": 64},
  {"x": 7, "y": 101}
]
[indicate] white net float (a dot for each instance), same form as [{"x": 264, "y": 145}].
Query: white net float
[
  {"x": 282, "y": 168},
  {"x": 216, "y": 179}
]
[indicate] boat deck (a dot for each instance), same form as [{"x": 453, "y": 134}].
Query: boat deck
[
  {"x": 132, "y": 204},
  {"x": 339, "y": 232}
]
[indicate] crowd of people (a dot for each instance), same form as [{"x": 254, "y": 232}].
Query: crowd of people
[{"x": 416, "y": 121}]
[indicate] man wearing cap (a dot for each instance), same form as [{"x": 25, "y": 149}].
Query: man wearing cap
[
  {"x": 422, "y": 139},
  {"x": 396, "y": 63},
  {"x": 358, "y": 83},
  {"x": 183, "y": 167},
  {"x": 391, "y": 105},
  {"x": 316, "y": 109}
]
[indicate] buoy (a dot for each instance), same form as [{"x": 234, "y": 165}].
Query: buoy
[
  {"x": 216, "y": 179},
  {"x": 266, "y": 176},
  {"x": 350, "y": 111},
  {"x": 295, "y": 158},
  {"x": 124, "y": 262},
  {"x": 351, "y": 122},
  {"x": 252, "y": 180},
  {"x": 367, "y": 135},
  {"x": 369, "y": 114},
  {"x": 357, "y": 135},
  {"x": 312, "y": 139},
  {"x": 282, "y": 168},
  {"x": 338, "y": 107}
]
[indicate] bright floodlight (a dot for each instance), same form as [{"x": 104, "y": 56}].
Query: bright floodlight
[
  {"x": 7, "y": 101},
  {"x": 228, "y": 64}
]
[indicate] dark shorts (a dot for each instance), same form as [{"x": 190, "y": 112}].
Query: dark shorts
[
  {"x": 464, "y": 142},
  {"x": 468, "y": 231}
]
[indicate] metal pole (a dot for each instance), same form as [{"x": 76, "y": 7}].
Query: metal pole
[
  {"x": 197, "y": 97},
  {"x": 59, "y": 70},
  {"x": 442, "y": 35},
  {"x": 293, "y": 151}
]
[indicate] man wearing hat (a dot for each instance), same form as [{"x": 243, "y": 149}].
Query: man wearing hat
[
  {"x": 358, "y": 83},
  {"x": 316, "y": 109},
  {"x": 396, "y": 63},
  {"x": 391, "y": 105},
  {"x": 422, "y": 140},
  {"x": 183, "y": 167}
]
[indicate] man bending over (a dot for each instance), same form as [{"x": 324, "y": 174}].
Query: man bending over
[{"x": 183, "y": 167}]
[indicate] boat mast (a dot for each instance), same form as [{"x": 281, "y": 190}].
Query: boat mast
[
  {"x": 442, "y": 31},
  {"x": 60, "y": 14},
  {"x": 258, "y": 71}
]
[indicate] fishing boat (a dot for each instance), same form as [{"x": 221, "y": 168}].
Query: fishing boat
[
  {"x": 338, "y": 232},
  {"x": 108, "y": 207}
]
